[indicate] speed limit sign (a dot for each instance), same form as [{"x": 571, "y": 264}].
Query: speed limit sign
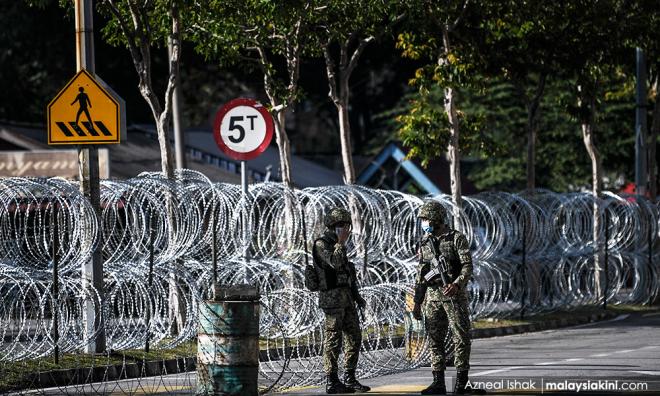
[{"x": 243, "y": 129}]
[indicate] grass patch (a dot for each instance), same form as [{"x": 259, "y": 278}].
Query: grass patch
[
  {"x": 563, "y": 314},
  {"x": 14, "y": 375},
  {"x": 628, "y": 308},
  {"x": 490, "y": 324},
  {"x": 185, "y": 349}
]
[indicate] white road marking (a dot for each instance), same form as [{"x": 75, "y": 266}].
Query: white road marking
[
  {"x": 497, "y": 371},
  {"x": 647, "y": 372},
  {"x": 558, "y": 362},
  {"x": 651, "y": 314},
  {"x": 548, "y": 363},
  {"x": 625, "y": 351}
]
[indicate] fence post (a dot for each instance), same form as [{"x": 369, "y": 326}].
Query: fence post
[
  {"x": 605, "y": 264},
  {"x": 523, "y": 270},
  {"x": 650, "y": 248},
  {"x": 151, "y": 276},
  {"x": 56, "y": 281}
]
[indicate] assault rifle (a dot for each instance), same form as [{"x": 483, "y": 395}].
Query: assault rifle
[{"x": 439, "y": 267}]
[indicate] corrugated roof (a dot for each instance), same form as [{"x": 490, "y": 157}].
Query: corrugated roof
[
  {"x": 305, "y": 173},
  {"x": 139, "y": 153}
]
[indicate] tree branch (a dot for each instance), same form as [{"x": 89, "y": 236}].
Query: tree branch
[
  {"x": 332, "y": 74},
  {"x": 356, "y": 55},
  {"x": 175, "y": 39},
  {"x": 460, "y": 15}
]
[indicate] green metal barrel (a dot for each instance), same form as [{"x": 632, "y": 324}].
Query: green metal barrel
[{"x": 228, "y": 342}]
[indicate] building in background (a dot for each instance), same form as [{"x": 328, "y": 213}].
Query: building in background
[
  {"x": 390, "y": 169},
  {"x": 23, "y": 145}
]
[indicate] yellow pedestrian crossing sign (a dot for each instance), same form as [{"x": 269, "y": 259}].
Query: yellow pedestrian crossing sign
[{"x": 85, "y": 111}]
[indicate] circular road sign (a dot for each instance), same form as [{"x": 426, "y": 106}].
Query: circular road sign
[{"x": 243, "y": 129}]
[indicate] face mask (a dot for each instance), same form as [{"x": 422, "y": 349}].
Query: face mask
[{"x": 427, "y": 227}]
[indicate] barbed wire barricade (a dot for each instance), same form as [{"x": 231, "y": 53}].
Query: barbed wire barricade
[{"x": 532, "y": 252}]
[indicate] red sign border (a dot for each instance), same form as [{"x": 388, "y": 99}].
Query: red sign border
[{"x": 270, "y": 127}]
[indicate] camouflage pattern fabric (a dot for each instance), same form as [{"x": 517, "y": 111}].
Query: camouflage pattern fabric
[
  {"x": 453, "y": 246},
  {"x": 441, "y": 311},
  {"x": 341, "y": 322},
  {"x": 338, "y": 293},
  {"x": 433, "y": 211},
  {"x": 439, "y": 316},
  {"x": 337, "y": 276},
  {"x": 336, "y": 216}
]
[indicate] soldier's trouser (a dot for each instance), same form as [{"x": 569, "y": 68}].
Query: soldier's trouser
[
  {"x": 439, "y": 316},
  {"x": 341, "y": 322}
]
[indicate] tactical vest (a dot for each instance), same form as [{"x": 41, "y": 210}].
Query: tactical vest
[
  {"x": 330, "y": 278},
  {"x": 445, "y": 246}
]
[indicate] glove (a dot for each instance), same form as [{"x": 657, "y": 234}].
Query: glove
[
  {"x": 361, "y": 303},
  {"x": 417, "y": 312}
]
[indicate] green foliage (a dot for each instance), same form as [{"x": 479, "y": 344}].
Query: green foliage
[
  {"x": 342, "y": 20},
  {"x": 561, "y": 163},
  {"x": 258, "y": 33},
  {"x": 155, "y": 23},
  {"x": 424, "y": 128}
]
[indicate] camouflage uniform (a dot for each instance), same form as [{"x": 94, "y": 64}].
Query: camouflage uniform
[
  {"x": 338, "y": 293},
  {"x": 442, "y": 311}
]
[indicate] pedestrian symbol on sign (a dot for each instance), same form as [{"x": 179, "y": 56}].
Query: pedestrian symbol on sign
[
  {"x": 70, "y": 118},
  {"x": 83, "y": 101}
]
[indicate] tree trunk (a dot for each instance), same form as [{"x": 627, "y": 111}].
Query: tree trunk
[
  {"x": 284, "y": 147},
  {"x": 139, "y": 47},
  {"x": 653, "y": 136},
  {"x": 345, "y": 139},
  {"x": 166, "y": 161},
  {"x": 596, "y": 180},
  {"x": 341, "y": 99},
  {"x": 453, "y": 151},
  {"x": 533, "y": 106}
]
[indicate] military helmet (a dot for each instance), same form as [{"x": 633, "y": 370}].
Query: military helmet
[
  {"x": 337, "y": 216},
  {"x": 432, "y": 211}
]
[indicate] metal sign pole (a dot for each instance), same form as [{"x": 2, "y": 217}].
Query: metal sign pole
[
  {"x": 214, "y": 253},
  {"x": 248, "y": 234},
  {"x": 92, "y": 272}
]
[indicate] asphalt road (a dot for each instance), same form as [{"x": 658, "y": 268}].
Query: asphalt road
[{"x": 625, "y": 349}]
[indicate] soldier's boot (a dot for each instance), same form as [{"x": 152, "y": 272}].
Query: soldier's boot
[
  {"x": 351, "y": 381},
  {"x": 437, "y": 387},
  {"x": 334, "y": 385},
  {"x": 460, "y": 387}
]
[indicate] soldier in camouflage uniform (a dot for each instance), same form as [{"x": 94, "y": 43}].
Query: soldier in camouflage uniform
[
  {"x": 338, "y": 297},
  {"x": 444, "y": 305}
]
